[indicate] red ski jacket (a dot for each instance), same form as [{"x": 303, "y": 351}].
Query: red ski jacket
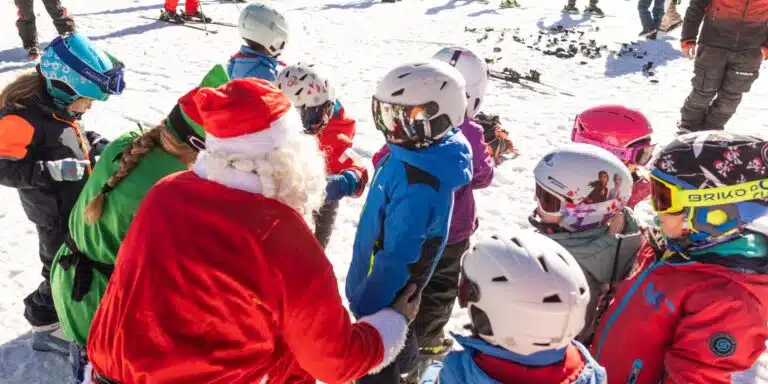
[
  {"x": 336, "y": 142},
  {"x": 683, "y": 323},
  {"x": 216, "y": 285}
]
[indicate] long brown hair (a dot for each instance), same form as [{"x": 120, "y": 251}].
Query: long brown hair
[
  {"x": 161, "y": 136},
  {"x": 28, "y": 85}
]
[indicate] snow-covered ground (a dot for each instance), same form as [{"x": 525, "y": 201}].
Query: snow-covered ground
[{"x": 358, "y": 41}]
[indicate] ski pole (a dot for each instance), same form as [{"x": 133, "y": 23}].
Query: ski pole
[{"x": 205, "y": 21}]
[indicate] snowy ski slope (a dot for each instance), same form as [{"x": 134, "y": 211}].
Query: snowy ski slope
[{"x": 358, "y": 41}]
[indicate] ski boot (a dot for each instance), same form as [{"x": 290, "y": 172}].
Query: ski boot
[
  {"x": 197, "y": 17},
  {"x": 33, "y": 53},
  {"x": 509, "y": 4},
  {"x": 50, "y": 338},
  {"x": 171, "y": 17},
  {"x": 594, "y": 10},
  {"x": 570, "y": 8}
]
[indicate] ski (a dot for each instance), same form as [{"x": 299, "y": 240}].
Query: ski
[
  {"x": 221, "y": 23},
  {"x": 532, "y": 77},
  {"x": 188, "y": 25}
]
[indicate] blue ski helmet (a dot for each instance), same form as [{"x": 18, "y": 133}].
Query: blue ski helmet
[{"x": 73, "y": 68}]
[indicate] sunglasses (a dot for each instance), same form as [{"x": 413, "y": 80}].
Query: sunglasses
[
  {"x": 667, "y": 197},
  {"x": 110, "y": 82},
  {"x": 316, "y": 118},
  {"x": 550, "y": 202},
  {"x": 408, "y": 122},
  {"x": 638, "y": 153}
]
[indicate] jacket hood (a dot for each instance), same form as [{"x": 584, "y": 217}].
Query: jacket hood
[
  {"x": 450, "y": 159},
  {"x": 605, "y": 255}
]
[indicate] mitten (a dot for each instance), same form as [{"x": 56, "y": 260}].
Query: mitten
[
  {"x": 66, "y": 169},
  {"x": 340, "y": 185},
  {"x": 98, "y": 142}
]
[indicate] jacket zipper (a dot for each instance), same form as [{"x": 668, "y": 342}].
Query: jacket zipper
[{"x": 80, "y": 140}]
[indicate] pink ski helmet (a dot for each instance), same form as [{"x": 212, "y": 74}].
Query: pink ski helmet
[{"x": 623, "y": 131}]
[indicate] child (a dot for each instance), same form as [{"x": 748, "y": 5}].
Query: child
[
  {"x": 404, "y": 224},
  {"x": 220, "y": 280},
  {"x": 526, "y": 299},
  {"x": 591, "y": 9},
  {"x": 323, "y": 116},
  {"x": 192, "y": 12},
  {"x": 699, "y": 315},
  {"x": 128, "y": 168},
  {"x": 45, "y": 154},
  {"x": 651, "y": 23},
  {"x": 577, "y": 209},
  {"x": 28, "y": 30},
  {"x": 265, "y": 32},
  {"x": 624, "y": 132},
  {"x": 729, "y": 53},
  {"x": 440, "y": 292}
]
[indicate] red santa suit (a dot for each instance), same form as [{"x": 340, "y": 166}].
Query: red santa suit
[{"x": 217, "y": 283}]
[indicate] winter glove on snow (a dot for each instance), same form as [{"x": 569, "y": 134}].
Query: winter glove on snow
[
  {"x": 98, "y": 142},
  {"x": 66, "y": 169},
  {"x": 340, "y": 185},
  {"x": 688, "y": 48},
  {"x": 496, "y": 137}
]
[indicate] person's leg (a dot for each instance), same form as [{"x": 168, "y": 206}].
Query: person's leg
[
  {"x": 671, "y": 16},
  {"x": 40, "y": 310},
  {"x": 742, "y": 70},
  {"x": 645, "y": 16},
  {"x": 403, "y": 364},
  {"x": 658, "y": 13},
  {"x": 62, "y": 21},
  {"x": 170, "y": 5},
  {"x": 324, "y": 219},
  {"x": 26, "y": 23},
  {"x": 191, "y": 7},
  {"x": 708, "y": 73}
]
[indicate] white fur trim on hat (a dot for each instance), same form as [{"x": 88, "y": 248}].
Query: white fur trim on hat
[
  {"x": 393, "y": 330},
  {"x": 260, "y": 142}
]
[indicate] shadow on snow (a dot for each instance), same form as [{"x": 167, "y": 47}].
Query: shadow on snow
[
  {"x": 19, "y": 364},
  {"x": 660, "y": 52}
]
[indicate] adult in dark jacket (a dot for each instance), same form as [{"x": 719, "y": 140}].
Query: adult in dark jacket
[
  {"x": 731, "y": 46},
  {"x": 28, "y": 30},
  {"x": 47, "y": 156}
]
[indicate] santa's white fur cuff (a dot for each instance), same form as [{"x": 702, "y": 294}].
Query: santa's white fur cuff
[{"x": 393, "y": 330}]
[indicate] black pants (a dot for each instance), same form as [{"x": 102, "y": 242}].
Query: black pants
[
  {"x": 721, "y": 75},
  {"x": 439, "y": 296},
  {"x": 404, "y": 363},
  {"x": 26, "y": 21},
  {"x": 324, "y": 219},
  {"x": 39, "y": 309}
]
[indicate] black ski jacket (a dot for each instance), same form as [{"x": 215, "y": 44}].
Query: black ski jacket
[
  {"x": 735, "y": 25},
  {"x": 30, "y": 135}
]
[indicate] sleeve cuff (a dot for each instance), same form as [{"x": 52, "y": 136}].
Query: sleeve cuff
[{"x": 393, "y": 329}]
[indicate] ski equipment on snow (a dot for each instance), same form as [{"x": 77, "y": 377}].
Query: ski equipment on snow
[
  {"x": 190, "y": 25},
  {"x": 264, "y": 25}
]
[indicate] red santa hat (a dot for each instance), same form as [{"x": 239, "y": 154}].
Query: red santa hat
[{"x": 246, "y": 117}]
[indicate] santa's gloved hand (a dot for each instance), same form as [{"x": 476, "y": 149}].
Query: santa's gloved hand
[
  {"x": 340, "y": 185},
  {"x": 66, "y": 169},
  {"x": 98, "y": 142}
]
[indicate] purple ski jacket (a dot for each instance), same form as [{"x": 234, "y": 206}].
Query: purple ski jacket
[{"x": 463, "y": 222}]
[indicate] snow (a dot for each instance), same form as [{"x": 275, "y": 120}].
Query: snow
[{"x": 358, "y": 41}]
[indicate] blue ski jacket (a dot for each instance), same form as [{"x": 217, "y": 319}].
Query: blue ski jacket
[
  {"x": 459, "y": 367},
  {"x": 404, "y": 224},
  {"x": 249, "y": 63}
]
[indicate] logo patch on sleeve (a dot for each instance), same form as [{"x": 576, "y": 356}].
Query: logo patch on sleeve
[{"x": 722, "y": 344}]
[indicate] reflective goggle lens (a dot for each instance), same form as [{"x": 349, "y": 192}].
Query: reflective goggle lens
[
  {"x": 403, "y": 122},
  {"x": 316, "y": 118},
  {"x": 548, "y": 202},
  {"x": 661, "y": 195}
]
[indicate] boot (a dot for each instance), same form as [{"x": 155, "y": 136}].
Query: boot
[
  {"x": 570, "y": 8},
  {"x": 197, "y": 16},
  {"x": 33, "y": 52},
  {"x": 171, "y": 16},
  {"x": 50, "y": 338},
  {"x": 594, "y": 10},
  {"x": 509, "y": 4}
]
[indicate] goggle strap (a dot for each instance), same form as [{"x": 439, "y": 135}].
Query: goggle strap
[{"x": 79, "y": 66}]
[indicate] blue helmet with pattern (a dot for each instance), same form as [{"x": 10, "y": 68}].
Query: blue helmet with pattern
[{"x": 73, "y": 68}]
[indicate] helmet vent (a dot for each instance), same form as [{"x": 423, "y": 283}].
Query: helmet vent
[
  {"x": 552, "y": 299},
  {"x": 287, "y": 74},
  {"x": 499, "y": 279},
  {"x": 444, "y": 84},
  {"x": 398, "y": 92},
  {"x": 494, "y": 237},
  {"x": 419, "y": 64},
  {"x": 403, "y": 75},
  {"x": 477, "y": 102},
  {"x": 542, "y": 344},
  {"x": 298, "y": 92},
  {"x": 564, "y": 260},
  {"x": 543, "y": 264},
  {"x": 582, "y": 290},
  {"x": 303, "y": 77},
  {"x": 517, "y": 242}
]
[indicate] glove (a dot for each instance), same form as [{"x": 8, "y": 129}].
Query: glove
[
  {"x": 340, "y": 185},
  {"x": 98, "y": 142},
  {"x": 688, "y": 48},
  {"x": 66, "y": 169},
  {"x": 765, "y": 52}
]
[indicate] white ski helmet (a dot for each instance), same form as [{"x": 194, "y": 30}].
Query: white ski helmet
[
  {"x": 264, "y": 25},
  {"x": 304, "y": 86},
  {"x": 584, "y": 184},
  {"x": 475, "y": 72},
  {"x": 416, "y": 104},
  {"x": 526, "y": 294}
]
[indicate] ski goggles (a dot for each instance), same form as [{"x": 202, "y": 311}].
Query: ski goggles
[
  {"x": 668, "y": 197},
  {"x": 550, "y": 202},
  {"x": 316, "y": 118},
  {"x": 638, "y": 153},
  {"x": 418, "y": 123},
  {"x": 110, "y": 82}
]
